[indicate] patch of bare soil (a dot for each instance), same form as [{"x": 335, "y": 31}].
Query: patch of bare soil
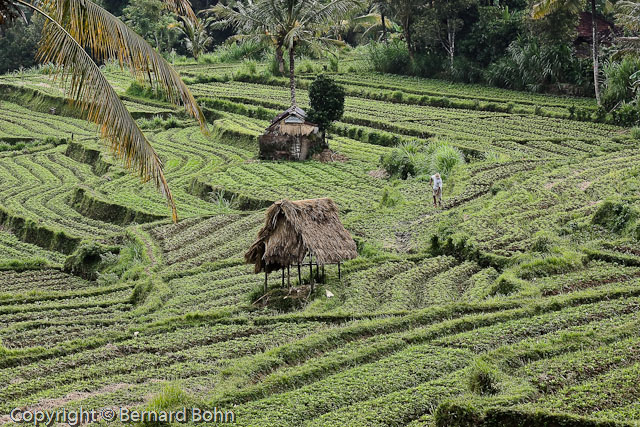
[
  {"x": 379, "y": 174},
  {"x": 328, "y": 156},
  {"x": 584, "y": 185},
  {"x": 285, "y": 298}
]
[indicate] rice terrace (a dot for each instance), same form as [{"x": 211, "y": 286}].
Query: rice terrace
[{"x": 320, "y": 213}]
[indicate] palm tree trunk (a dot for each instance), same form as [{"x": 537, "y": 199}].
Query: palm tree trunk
[
  {"x": 280, "y": 59},
  {"x": 384, "y": 27},
  {"x": 292, "y": 76},
  {"x": 594, "y": 49}
]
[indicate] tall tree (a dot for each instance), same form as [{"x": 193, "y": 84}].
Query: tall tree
[
  {"x": 289, "y": 23},
  {"x": 77, "y": 30},
  {"x": 405, "y": 13},
  {"x": 443, "y": 22},
  {"x": 547, "y": 7}
]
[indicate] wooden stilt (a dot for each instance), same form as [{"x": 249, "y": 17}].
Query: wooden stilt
[
  {"x": 311, "y": 271},
  {"x": 288, "y": 275},
  {"x": 339, "y": 275},
  {"x": 299, "y": 276},
  {"x": 266, "y": 278},
  {"x": 283, "y": 277}
]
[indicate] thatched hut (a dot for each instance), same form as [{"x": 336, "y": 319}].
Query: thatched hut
[
  {"x": 295, "y": 230},
  {"x": 291, "y": 137}
]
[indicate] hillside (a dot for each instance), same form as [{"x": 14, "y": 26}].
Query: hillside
[{"x": 517, "y": 300}]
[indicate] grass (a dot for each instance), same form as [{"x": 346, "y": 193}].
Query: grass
[{"x": 516, "y": 301}]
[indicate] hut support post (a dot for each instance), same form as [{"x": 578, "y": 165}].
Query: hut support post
[
  {"x": 289, "y": 275},
  {"x": 323, "y": 276},
  {"x": 283, "y": 277},
  {"x": 299, "y": 276},
  {"x": 311, "y": 271},
  {"x": 339, "y": 275},
  {"x": 266, "y": 278}
]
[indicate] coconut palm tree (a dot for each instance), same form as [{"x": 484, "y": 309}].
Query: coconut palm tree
[
  {"x": 77, "y": 33},
  {"x": 196, "y": 37},
  {"x": 546, "y": 7},
  {"x": 382, "y": 9},
  {"x": 289, "y": 23}
]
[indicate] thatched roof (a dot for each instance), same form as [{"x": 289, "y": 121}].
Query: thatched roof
[
  {"x": 291, "y": 111},
  {"x": 292, "y": 229}
]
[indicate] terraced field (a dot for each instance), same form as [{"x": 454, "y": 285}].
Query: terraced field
[{"x": 519, "y": 301}]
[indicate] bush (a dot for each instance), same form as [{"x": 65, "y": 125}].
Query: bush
[
  {"x": 86, "y": 260},
  {"x": 530, "y": 65},
  {"x": 615, "y": 215},
  {"x": 619, "y": 79},
  {"x": 412, "y": 159},
  {"x": 146, "y": 91},
  {"x": 635, "y": 132},
  {"x": 543, "y": 241},
  {"x": 234, "y": 52},
  {"x": 248, "y": 67},
  {"x": 626, "y": 115},
  {"x": 403, "y": 161},
  {"x": 445, "y": 159},
  {"x": 483, "y": 378},
  {"x": 389, "y": 58},
  {"x": 391, "y": 197},
  {"x": 506, "y": 284}
]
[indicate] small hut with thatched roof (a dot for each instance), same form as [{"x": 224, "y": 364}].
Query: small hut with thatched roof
[
  {"x": 295, "y": 230},
  {"x": 291, "y": 137}
]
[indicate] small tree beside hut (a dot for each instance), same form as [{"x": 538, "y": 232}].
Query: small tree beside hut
[
  {"x": 327, "y": 102},
  {"x": 300, "y": 233}
]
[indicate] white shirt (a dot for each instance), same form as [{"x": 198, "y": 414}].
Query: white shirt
[{"x": 437, "y": 182}]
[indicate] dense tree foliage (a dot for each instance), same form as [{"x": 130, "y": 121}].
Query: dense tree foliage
[{"x": 327, "y": 101}]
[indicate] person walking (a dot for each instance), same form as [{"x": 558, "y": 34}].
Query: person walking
[{"x": 436, "y": 182}]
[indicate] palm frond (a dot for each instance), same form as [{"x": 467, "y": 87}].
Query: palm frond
[
  {"x": 547, "y": 7},
  {"x": 181, "y": 7},
  {"x": 108, "y": 38},
  {"x": 9, "y": 12},
  {"x": 92, "y": 93},
  {"x": 628, "y": 14}
]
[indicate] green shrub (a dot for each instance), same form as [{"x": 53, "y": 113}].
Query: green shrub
[
  {"x": 234, "y": 52},
  {"x": 146, "y": 91},
  {"x": 483, "y": 378},
  {"x": 635, "y": 132},
  {"x": 391, "y": 197},
  {"x": 334, "y": 63},
  {"x": 403, "y": 161},
  {"x": 543, "y": 241},
  {"x": 249, "y": 67},
  {"x": 86, "y": 260},
  {"x": 615, "y": 215},
  {"x": 170, "y": 398},
  {"x": 619, "y": 78},
  {"x": 389, "y": 58},
  {"x": 445, "y": 159},
  {"x": 507, "y": 283}
]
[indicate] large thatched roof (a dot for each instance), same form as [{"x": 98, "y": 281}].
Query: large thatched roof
[{"x": 294, "y": 228}]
